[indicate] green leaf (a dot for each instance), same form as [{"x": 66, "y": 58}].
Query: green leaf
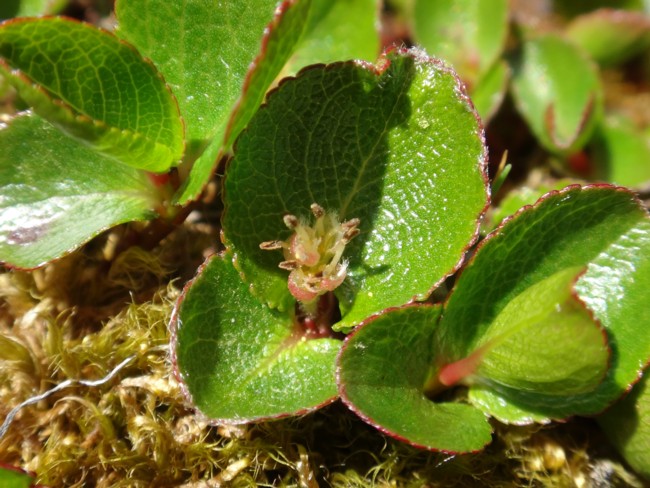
[
  {"x": 490, "y": 90},
  {"x": 469, "y": 34},
  {"x": 280, "y": 40},
  {"x": 193, "y": 45},
  {"x": 242, "y": 362},
  {"x": 627, "y": 424},
  {"x": 622, "y": 152},
  {"x": 519, "y": 197},
  {"x": 545, "y": 340},
  {"x": 24, "y": 8},
  {"x": 338, "y": 31},
  {"x": 382, "y": 372},
  {"x": 57, "y": 193},
  {"x": 506, "y": 411},
  {"x": 11, "y": 477},
  {"x": 91, "y": 85},
  {"x": 398, "y": 148},
  {"x": 543, "y": 346},
  {"x": 320, "y": 32},
  {"x": 615, "y": 288},
  {"x": 601, "y": 227},
  {"x": 572, "y": 8},
  {"x": 557, "y": 90},
  {"x": 220, "y": 59},
  {"x": 611, "y": 36}
]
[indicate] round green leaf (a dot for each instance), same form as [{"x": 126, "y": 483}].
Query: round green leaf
[
  {"x": 615, "y": 288},
  {"x": 192, "y": 45},
  {"x": 338, "y": 31},
  {"x": 219, "y": 58},
  {"x": 545, "y": 341},
  {"x": 601, "y": 227},
  {"x": 382, "y": 371},
  {"x": 622, "y": 152},
  {"x": 544, "y": 346},
  {"x": 611, "y": 36},
  {"x": 399, "y": 148},
  {"x": 469, "y": 34},
  {"x": 57, "y": 193},
  {"x": 239, "y": 360},
  {"x": 557, "y": 90},
  {"x": 91, "y": 85},
  {"x": 627, "y": 424}
]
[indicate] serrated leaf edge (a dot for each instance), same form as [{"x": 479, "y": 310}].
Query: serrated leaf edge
[
  {"x": 174, "y": 326},
  {"x": 366, "y": 418},
  {"x": 606, "y": 342}
]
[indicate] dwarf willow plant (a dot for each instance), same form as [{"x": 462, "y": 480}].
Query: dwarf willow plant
[{"x": 350, "y": 195}]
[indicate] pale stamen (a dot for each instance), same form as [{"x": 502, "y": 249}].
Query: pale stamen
[{"x": 314, "y": 253}]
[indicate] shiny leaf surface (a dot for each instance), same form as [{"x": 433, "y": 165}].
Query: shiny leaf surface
[
  {"x": 600, "y": 227},
  {"x": 399, "y": 148},
  {"x": 382, "y": 372},
  {"x": 57, "y": 193},
  {"x": 94, "y": 87},
  {"x": 242, "y": 362}
]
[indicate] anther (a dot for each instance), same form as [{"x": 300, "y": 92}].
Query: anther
[
  {"x": 317, "y": 210},
  {"x": 289, "y": 265},
  {"x": 350, "y": 234},
  {"x": 291, "y": 221},
  {"x": 272, "y": 245},
  {"x": 314, "y": 254},
  {"x": 351, "y": 224}
]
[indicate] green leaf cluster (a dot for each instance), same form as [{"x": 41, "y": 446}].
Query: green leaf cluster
[
  {"x": 542, "y": 324},
  {"x": 392, "y": 145}
]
